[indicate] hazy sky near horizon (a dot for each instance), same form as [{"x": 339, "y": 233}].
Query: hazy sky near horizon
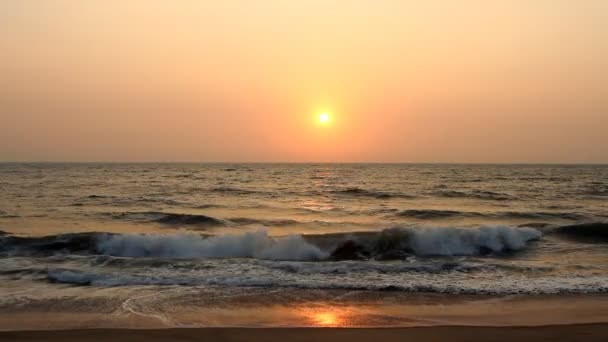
[{"x": 402, "y": 81}]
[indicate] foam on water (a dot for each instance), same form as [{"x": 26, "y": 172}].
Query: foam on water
[
  {"x": 455, "y": 241},
  {"x": 250, "y": 274},
  {"x": 256, "y": 244}
]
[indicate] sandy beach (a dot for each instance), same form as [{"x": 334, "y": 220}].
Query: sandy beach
[{"x": 582, "y": 332}]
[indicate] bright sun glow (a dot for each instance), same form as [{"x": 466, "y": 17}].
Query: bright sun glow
[
  {"x": 322, "y": 315},
  {"x": 323, "y": 118},
  {"x": 326, "y": 318}
]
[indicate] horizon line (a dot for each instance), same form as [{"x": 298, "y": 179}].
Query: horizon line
[{"x": 301, "y": 162}]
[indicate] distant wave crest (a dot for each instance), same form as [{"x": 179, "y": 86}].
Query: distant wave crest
[
  {"x": 169, "y": 218},
  {"x": 359, "y": 192},
  {"x": 429, "y": 214},
  {"x": 181, "y": 219},
  {"x": 475, "y": 194}
]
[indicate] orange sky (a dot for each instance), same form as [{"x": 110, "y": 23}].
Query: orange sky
[{"x": 403, "y": 81}]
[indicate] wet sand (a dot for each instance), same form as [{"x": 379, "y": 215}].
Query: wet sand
[
  {"x": 75, "y": 308},
  {"x": 580, "y": 332}
]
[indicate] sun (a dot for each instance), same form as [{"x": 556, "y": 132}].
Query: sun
[{"x": 323, "y": 118}]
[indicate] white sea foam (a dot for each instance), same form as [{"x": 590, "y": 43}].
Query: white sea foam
[
  {"x": 448, "y": 282},
  {"x": 448, "y": 241},
  {"x": 469, "y": 241},
  {"x": 256, "y": 244}
]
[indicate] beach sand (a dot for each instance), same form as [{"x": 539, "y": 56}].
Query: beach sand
[{"x": 578, "y": 332}]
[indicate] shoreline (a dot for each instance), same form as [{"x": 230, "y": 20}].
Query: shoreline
[
  {"x": 571, "y": 332},
  {"x": 166, "y": 309}
]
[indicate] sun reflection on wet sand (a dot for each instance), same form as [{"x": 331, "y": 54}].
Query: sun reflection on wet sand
[
  {"x": 258, "y": 311},
  {"x": 327, "y": 316}
]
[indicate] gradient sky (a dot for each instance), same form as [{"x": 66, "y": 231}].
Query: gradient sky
[{"x": 403, "y": 81}]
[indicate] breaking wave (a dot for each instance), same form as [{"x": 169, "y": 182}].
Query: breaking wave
[
  {"x": 394, "y": 243},
  {"x": 248, "y": 245}
]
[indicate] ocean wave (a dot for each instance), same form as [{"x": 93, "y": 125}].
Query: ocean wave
[
  {"x": 397, "y": 243},
  {"x": 4, "y": 214},
  {"x": 100, "y": 196},
  {"x": 596, "y": 232},
  {"x": 597, "y": 190},
  {"x": 97, "y": 200},
  {"x": 199, "y": 220},
  {"x": 11, "y": 245},
  {"x": 169, "y": 218},
  {"x": 257, "y": 245},
  {"x": 475, "y": 194},
  {"x": 541, "y": 215},
  {"x": 264, "y": 222},
  {"x": 394, "y": 243},
  {"x": 359, "y": 192},
  {"x": 428, "y": 214},
  {"x": 432, "y": 213},
  {"x": 232, "y": 190}
]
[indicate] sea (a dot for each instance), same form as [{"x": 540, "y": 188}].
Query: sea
[{"x": 206, "y": 244}]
